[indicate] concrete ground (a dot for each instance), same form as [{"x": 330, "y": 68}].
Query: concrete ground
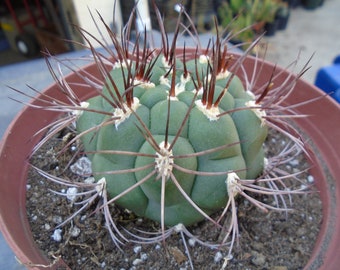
[{"x": 309, "y": 31}]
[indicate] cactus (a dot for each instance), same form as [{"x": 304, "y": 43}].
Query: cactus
[
  {"x": 168, "y": 132},
  {"x": 174, "y": 135}
]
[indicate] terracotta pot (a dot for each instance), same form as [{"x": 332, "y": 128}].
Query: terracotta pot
[
  {"x": 258, "y": 27},
  {"x": 322, "y": 127}
]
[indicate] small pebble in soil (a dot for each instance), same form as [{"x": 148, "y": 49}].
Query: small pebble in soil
[
  {"x": 137, "y": 249},
  {"x": 89, "y": 180},
  {"x": 177, "y": 254},
  {"x": 137, "y": 262},
  {"x": 75, "y": 231},
  {"x": 56, "y": 236},
  {"x": 218, "y": 257},
  {"x": 294, "y": 162},
  {"x": 192, "y": 242},
  {"x": 57, "y": 219},
  {"x": 82, "y": 166},
  {"x": 144, "y": 256},
  {"x": 310, "y": 179},
  {"x": 303, "y": 186},
  {"x": 71, "y": 194}
]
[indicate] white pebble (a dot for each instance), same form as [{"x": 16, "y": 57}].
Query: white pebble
[
  {"x": 137, "y": 249},
  {"x": 218, "y": 257},
  {"x": 294, "y": 162},
  {"x": 89, "y": 180},
  {"x": 178, "y": 8},
  {"x": 137, "y": 262},
  {"x": 144, "y": 256},
  {"x": 157, "y": 247},
  {"x": 303, "y": 186},
  {"x": 57, "y": 219},
  {"x": 47, "y": 227},
  {"x": 71, "y": 193},
  {"x": 192, "y": 242},
  {"x": 310, "y": 179},
  {"x": 75, "y": 231},
  {"x": 56, "y": 236},
  {"x": 82, "y": 166}
]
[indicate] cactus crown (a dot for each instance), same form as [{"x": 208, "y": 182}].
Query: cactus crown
[{"x": 173, "y": 134}]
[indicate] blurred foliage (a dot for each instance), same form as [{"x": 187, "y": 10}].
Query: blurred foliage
[{"x": 246, "y": 18}]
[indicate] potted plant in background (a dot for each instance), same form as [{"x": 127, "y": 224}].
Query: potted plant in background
[
  {"x": 282, "y": 16},
  {"x": 312, "y": 4},
  {"x": 107, "y": 102},
  {"x": 248, "y": 19},
  {"x": 269, "y": 11},
  {"x": 293, "y": 3}
]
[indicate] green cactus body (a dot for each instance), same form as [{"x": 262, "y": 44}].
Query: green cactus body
[{"x": 241, "y": 132}]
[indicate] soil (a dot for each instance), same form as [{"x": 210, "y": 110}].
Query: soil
[{"x": 273, "y": 240}]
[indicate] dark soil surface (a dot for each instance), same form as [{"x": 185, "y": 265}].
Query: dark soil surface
[{"x": 272, "y": 240}]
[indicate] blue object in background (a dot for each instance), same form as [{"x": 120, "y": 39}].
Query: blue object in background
[
  {"x": 336, "y": 60},
  {"x": 336, "y": 95},
  {"x": 328, "y": 79}
]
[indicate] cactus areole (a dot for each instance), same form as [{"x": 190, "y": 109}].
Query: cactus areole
[{"x": 172, "y": 131}]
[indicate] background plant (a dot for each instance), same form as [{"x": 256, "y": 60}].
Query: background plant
[{"x": 246, "y": 18}]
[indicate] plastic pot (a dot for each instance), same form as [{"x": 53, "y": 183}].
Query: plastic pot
[
  {"x": 270, "y": 28},
  {"x": 312, "y": 4},
  {"x": 322, "y": 128},
  {"x": 282, "y": 18}
]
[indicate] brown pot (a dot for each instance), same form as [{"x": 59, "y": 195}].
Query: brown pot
[{"x": 322, "y": 127}]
